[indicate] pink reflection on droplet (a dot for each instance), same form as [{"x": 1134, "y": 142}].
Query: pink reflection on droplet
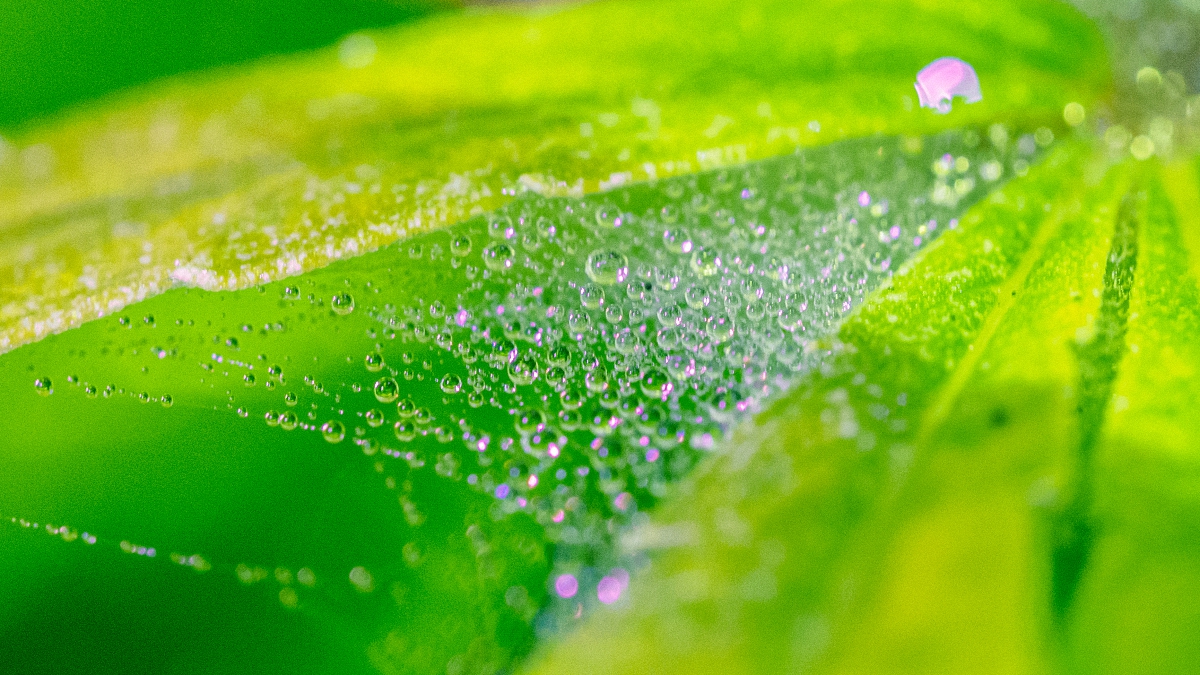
[
  {"x": 608, "y": 590},
  {"x": 939, "y": 82},
  {"x": 566, "y": 585},
  {"x": 864, "y": 198}
]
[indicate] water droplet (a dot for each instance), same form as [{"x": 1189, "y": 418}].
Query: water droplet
[
  {"x": 374, "y": 362},
  {"x": 342, "y": 303},
  {"x": 705, "y": 262},
  {"x": 288, "y": 420},
  {"x": 405, "y": 431},
  {"x": 656, "y": 384},
  {"x": 696, "y": 297},
  {"x": 406, "y": 408},
  {"x": 524, "y": 370},
  {"x": 451, "y": 383},
  {"x": 460, "y": 246},
  {"x": 386, "y": 390},
  {"x": 362, "y": 579},
  {"x": 719, "y": 328},
  {"x": 940, "y": 81},
  {"x": 558, "y": 355},
  {"x": 666, "y": 278},
  {"x": 670, "y": 315},
  {"x": 499, "y": 256},
  {"x": 501, "y": 227},
  {"x": 592, "y": 296},
  {"x": 43, "y": 386},
  {"x": 607, "y": 267},
  {"x": 596, "y": 381},
  {"x": 609, "y": 217},
  {"x": 374, "y": 417},
  {"x": 570, "y": 398},
  {"x": 333, "y": 431},
  {"x": 530, "y": 421},
  {"x": 678, "y": 240}
]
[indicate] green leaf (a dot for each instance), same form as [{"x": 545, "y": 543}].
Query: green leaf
[
  {"x": 225, "y": 180},
  {"x": 385, "y": 463}
]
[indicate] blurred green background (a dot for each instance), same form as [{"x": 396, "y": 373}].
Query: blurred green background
[{"x": 55, "y": 53}]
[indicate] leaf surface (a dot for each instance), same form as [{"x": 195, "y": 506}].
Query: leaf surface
[
  {"x": 253, "y": 173},
  {"x": 617, "y": 243}
]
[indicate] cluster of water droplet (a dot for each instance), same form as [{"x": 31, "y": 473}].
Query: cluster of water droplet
[
  {"x": 585, "y": 352},
  {"x": 568, "y": 357}
]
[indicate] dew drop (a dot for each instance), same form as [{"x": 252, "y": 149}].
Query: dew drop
[
  {"x": 362, "y": 580},
  {"x": 43, "y": 386},
  {"x": 498, "y": 256},
  {"x": 719, "y": 328},
  {"x": 342, "y": 303},
  {"x": 406, "y": 408},
  {"x": 705, "y": 262},
  {"x": 451, "y": 383},
  {"x": 592, "y": 296},
  {"x": 460, "y": 246},
  {"x": 655, "y": 383},
  {"x": 524, "y": 370},
  {"x": 558, "y": 355},
  {"x": 607, "y": 267},
  {"x": 386, "y": 390},
  {"x": 501, "y": 227},
  {"x": 333, "y": 431},
  {"x": 609, "y": 217},
  {"x": 696, "y": 297},
  {"x": 678, "y": 240},
  {"x": 374, "y": 362},
  {"x": 405, "y": 431}
]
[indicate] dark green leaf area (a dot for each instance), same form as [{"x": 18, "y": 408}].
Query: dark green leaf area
[{"x": 400, "y": 452}]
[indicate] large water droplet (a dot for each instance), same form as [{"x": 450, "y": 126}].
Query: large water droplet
[{"x": 342, "y": 303}]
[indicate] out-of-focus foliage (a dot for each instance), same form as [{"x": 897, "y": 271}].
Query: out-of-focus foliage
[{"x": 63, "y": 52}]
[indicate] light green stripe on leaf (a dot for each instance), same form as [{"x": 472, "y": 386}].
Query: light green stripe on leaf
[{"x": 1136, "y": 611}]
